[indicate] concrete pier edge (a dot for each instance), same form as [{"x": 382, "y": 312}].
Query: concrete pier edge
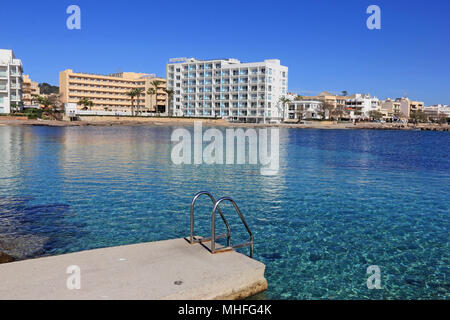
[{"x": 169, "y": 269}]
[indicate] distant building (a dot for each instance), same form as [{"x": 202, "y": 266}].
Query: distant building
[
  {"x": 436, "y": 111},
  {"x": 390, "y": 109},
  {"x": 228, "y": 88},
  {"x": 304, "y": 110},
  {"x": 407, "y": 106},
  {"x": 336, "y": 101},
  {"x": 360, "y": 105},
  {"x": 331, "y": 103},
  {"x": 11, "y": 71},
  {"x": 109, "y": 92},
  {"x": 400, "y": 108},
  {"x": 29, "y": 88}
]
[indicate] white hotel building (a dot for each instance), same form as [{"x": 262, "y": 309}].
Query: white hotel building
[
  {"x": 360, "y": 105},
  {"x": 10, "y": 81},
  {"x": 227, "y": 88}
]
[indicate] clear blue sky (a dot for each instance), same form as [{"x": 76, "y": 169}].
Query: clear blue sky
[{"x": 325, "y": 44}]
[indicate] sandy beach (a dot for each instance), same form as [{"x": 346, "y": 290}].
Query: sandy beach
[{"x": 113, "y": 121}]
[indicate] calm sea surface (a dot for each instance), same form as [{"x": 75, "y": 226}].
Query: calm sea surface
[{"x": 343, "y": 200}]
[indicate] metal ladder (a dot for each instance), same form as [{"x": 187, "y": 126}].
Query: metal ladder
[{"x": 193, "y": 240}]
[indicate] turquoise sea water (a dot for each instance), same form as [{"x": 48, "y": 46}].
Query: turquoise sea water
[{"x": 343, "y": 200}]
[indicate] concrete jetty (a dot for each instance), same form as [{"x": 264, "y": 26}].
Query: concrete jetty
[{"x": 171, "y": 269}]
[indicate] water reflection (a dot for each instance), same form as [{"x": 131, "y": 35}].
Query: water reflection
[{"x": 342, "y": 200}]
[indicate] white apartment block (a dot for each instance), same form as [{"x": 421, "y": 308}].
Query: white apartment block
[
  {"x": 305, "y": 109},
  {"x": 437, "y": 110},
  {"x": 360, "y": 105},
  {"x": 10, "y": 81},
  {"x": 227, "y": 88}
]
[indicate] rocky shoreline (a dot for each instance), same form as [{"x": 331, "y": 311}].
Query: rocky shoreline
[{"x": 411, "y": 127}]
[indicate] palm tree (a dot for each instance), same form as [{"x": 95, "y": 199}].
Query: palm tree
[
  {"x": 283, "y": 101},
  {"x": 169, "y": 99},
  {"x": 138, "y": 92},
  {"x": 86, "y": 103},
  {"x": 132, "y": 95},
  {"x": 13, "y": 107},
  {"x": 151, "y": 92},
  {"x": 344, "y": 93},
  {"x": 156, "y": 84},
  {"x": 44, "y": 101}
]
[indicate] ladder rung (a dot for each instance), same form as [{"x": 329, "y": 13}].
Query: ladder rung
[
  {"x": 203, "y": 240},
  {"x": 224, "y": 249}
]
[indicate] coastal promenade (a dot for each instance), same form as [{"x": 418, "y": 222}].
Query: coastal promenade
[{"x": 171, "y": 269}]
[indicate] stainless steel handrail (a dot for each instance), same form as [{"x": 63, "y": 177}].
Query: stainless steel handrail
[
  {"x": 191, "y": 237},
  {"x": 213, "y": 228}
]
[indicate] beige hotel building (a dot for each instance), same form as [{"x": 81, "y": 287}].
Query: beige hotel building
[
  {"x": 29, "y": 88},
  {"x": 109, "y": 92}
]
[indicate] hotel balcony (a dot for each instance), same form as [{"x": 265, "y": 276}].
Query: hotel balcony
[
  {"x": 16, "y": 62},
  {"x": 3, "y": 88}
]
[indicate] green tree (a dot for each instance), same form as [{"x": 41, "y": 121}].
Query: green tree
[
  {"x": 14, "y": 107},
  {"x": 156, "y": 84},
  {"x": 138, "y": 92},
  {"x": 338, "y": 112},
  {"x": 344, "y": 93},
  {"x": 45, "y": 102},
  {"x": 169, "y": 93},
  {"x": 442, "y": 118},
  {"x": 132, "y": 95},
  {"x": 375, "y": 115},
  {"x": 399, "y": 115},
  {"x": 86, "y": 103},
  {"x": 49, "y": 105},
  {"x": 418, "y": 116},
  {"x": 151, "y": 92},
  {"x": 299, "y": 113},
  {"x": 283, "y": 101},
  {"x": 326, "y": 108}
]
